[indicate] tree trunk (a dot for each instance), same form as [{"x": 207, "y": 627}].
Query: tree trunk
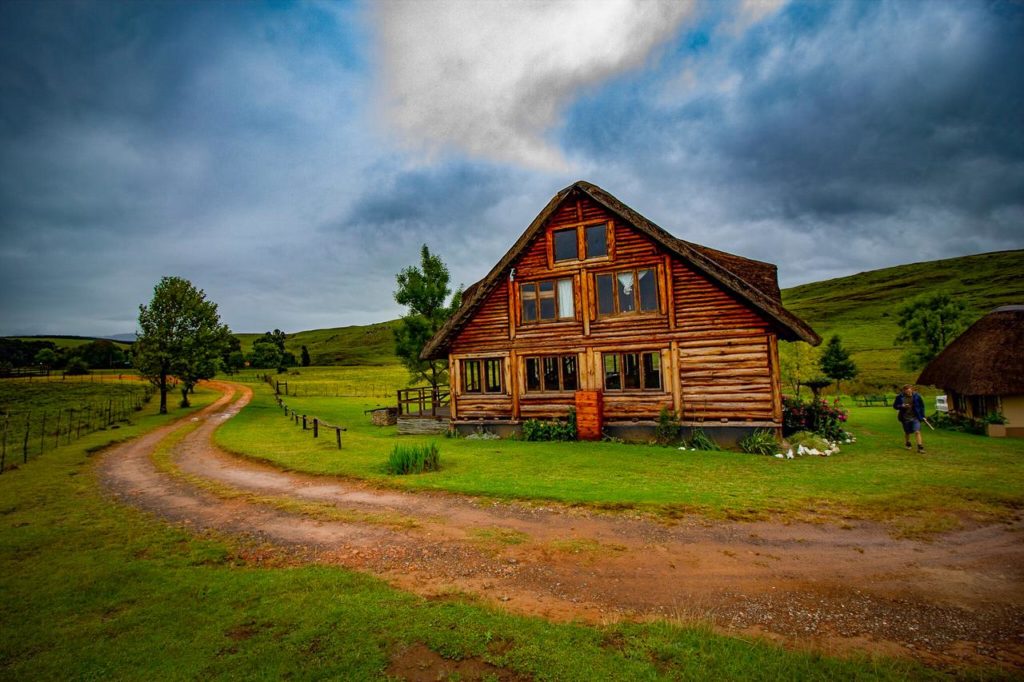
[
  {"x": 184, "y": 396},
  {"x": 163, "y": 393}
]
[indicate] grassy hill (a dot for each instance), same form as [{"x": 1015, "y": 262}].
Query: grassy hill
[
  {"x": 72, "y": 341},
  {"x": 372, "y": 344},
  {"x": 861, "y": 308}
]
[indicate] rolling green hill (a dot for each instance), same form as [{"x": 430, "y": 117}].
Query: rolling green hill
[
  {"x": 861, "y": 308},
  {"x": 372, "y": 344}
]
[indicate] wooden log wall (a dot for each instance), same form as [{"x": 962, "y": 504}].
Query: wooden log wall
[{"x": 719, "y": 358}]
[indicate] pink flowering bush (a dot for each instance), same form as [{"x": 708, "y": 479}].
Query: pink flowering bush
[{"x": 815, "y": 415}]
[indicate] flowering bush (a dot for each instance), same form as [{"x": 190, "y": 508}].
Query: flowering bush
[{"x": 816, "y": 415}]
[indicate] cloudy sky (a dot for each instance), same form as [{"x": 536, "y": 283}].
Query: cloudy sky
[{"x": 290, "y": 158}]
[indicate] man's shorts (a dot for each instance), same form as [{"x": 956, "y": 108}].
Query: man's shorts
[{"x": 912, "y": 426}]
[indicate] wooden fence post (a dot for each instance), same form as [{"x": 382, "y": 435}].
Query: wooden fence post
[
  {"x": 303, "y": 422},
  {"x": 42, "y": 434},
  {"x": 24, "y": 445},
  {"x": 316, "y": 427},
  {"x": 56, "y": 432},
  {"x": 3, "y": 454},
  {"x": 337, "y": 430}
]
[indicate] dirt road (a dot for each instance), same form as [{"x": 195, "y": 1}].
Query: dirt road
[{"x": 957, "y": 599}]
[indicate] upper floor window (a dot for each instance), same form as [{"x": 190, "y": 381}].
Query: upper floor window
[
  {"x": 547, "y": 301},
  {"x": 581, "y": 243},
  {"x": 552, "y": 373},
  {"x": 482, "y": 376},
  {"x": 629, "y": 291},
  {"x": 566, "y": 245},
  {"x": 632, "y": 371}
]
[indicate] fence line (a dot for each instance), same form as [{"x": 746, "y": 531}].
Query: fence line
[
  {"x": 310, "y": 422},
  {"x": 70, "y": 423}
]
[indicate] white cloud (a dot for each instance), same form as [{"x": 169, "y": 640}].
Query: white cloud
[{"x": 491, "y": 78}]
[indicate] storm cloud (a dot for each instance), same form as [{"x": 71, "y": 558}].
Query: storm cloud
[{"x": 290, "y": 160}]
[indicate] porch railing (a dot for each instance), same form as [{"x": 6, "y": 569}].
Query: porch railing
[{"x": 424, "y": 402}]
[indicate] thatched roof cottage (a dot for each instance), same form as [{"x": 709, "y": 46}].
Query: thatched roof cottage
[{"x": 982, "y": 370}]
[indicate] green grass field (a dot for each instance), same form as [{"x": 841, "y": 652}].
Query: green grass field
[
  {"x": 93, "y": 589},
  {"x": 963, "y": 476},
  {"x": 378, "y": 382}
]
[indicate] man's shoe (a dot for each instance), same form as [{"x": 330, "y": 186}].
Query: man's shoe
[
  {"x": 907, "y": 445},
  {"x": 920, "y": 449}
]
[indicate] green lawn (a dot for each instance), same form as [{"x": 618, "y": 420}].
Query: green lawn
[
  {"x": 96, "y": 590},
  {"x": 875, "y": 478}
]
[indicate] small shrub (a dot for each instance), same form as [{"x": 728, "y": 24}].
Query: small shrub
[
  {"x": 414, "y": 459},
  {"x": 702, "y": 441},
  {"x": 667, "y": 430},
  {"x": 760, "y": 442},
  {"x": 811, "y": 441},
  {"x": 535, "y": 430},
  {"x": 817, "y": 416},
  {"x": 994, "y": 418}
]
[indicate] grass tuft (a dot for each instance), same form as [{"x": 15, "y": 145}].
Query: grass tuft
[{"x": 413, "y": 459}]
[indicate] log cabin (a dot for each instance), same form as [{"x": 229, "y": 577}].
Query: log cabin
[{"x": 596, "y": 308}]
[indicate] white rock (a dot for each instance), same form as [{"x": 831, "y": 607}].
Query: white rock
[
  {"x": 779, "y": 455},
  {"x": 814, "y": 451}
]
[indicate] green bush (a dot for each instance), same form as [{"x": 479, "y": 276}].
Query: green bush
[
  {"x": 760, "y": 442},
  {"x": 414, "y": 459},
  {"x": 667, "y": 430},
  {"x": 535, "y": 430},
  {"x": 702, "y": 441}
]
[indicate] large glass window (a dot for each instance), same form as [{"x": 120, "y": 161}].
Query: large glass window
[
  {"x": 632, "y": 371},
  {"x": 547, "y": 301},
  {"x": 552, "y": 373},
  {"x": 482, "y": 376},
  {"x": 626, "y": 292}
]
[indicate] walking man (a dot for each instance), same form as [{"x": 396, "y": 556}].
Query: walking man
[{"x": 909, "y": 406}]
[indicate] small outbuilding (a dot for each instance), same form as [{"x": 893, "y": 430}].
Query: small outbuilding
[{"x": 982, "y": 370}]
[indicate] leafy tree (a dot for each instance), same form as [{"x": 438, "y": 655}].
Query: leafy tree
[
  {"x": 276, "y": 337},
  {"x": 928, "y": 324},
  {"x": 180, "y": 335},
  {"x": 425, "y": 290},
  {"x": 76, "y": 366},
  {"x": 233, "y": 358},
  {"x": 265, "y": 355},
  {"x": 305, "y": 357},
  {"x": 236, "y": 360},
  {"x": 799, "y": 361},
  {"x": 46, "y": 358},
  {"x": 835, "y": 362}
]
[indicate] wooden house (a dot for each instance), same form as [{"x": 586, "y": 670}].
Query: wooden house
[
  {"x": 597, "y": 308},
  {"x": 982, "y": 370}
]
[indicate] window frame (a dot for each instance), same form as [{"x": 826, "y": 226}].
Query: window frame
[
  {"x": 637, "y": 301},
  {"x": 620, "y": 360},
  {"x": 582, "y": 255},
  {"x": 559, "y": 359},
  {"x": 482, "y": 374},
  {"x": 537, "y": 296}
]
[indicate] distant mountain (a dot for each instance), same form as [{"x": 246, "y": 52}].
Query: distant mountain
[
  {"x": 128, "y": 337},
  {"x": 861, "y": 308}
]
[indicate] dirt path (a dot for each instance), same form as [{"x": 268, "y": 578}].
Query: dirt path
[{"x": 957, "y": 599}]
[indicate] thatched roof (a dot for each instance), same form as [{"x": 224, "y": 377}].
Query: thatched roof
[
  {"x": 752, "y": 281},
  {"x": 987, "y": 359}
]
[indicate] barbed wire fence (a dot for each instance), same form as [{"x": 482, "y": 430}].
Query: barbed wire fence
[{"x": 28, "y": 434}]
